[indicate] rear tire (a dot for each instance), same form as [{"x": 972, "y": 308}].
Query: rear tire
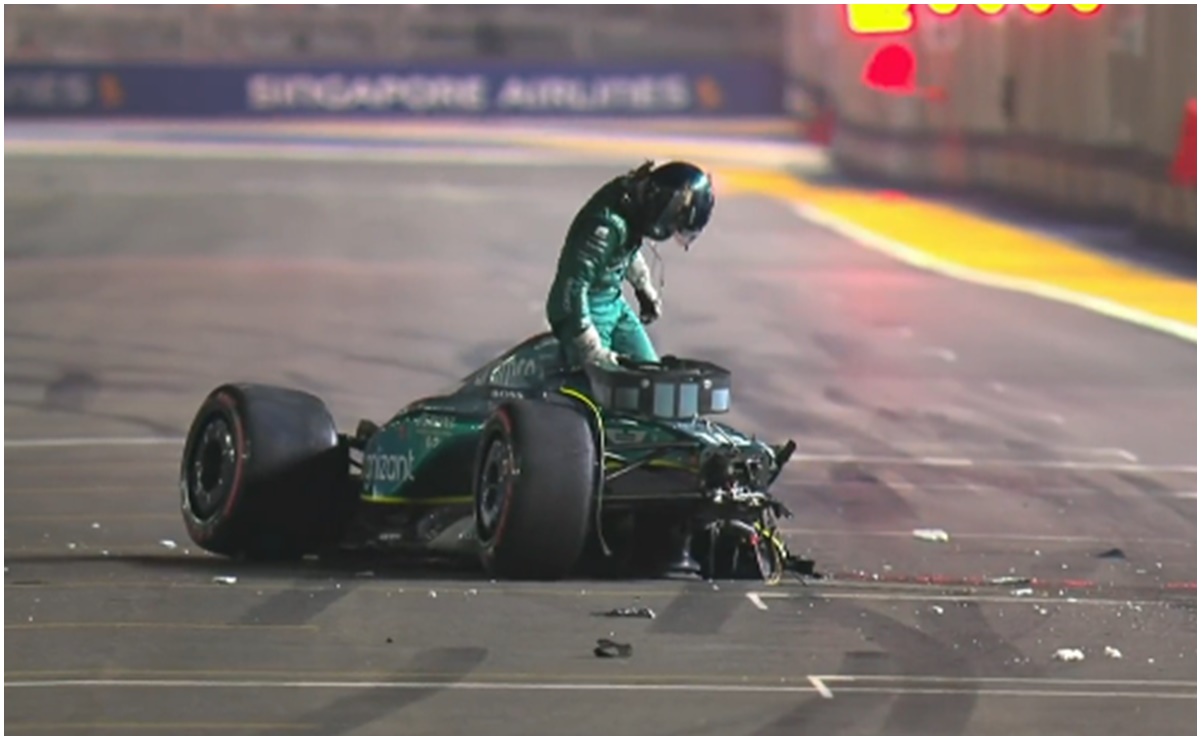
[
  {"x": 264, "y": 475},
  {"x": 535, "y": 474}
]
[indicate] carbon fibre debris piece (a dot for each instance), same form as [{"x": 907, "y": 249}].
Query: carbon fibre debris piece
[
  {"x": 606, "y": 648},
  {"x": 630, "y": 611}
]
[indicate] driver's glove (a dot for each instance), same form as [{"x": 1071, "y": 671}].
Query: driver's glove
[
  {"x": 588, "y": 344},
  {"x": 650, "y": 306}
]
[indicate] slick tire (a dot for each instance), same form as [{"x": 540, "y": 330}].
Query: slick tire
[
  {"x": 263, "y": 474},
  {"x": 535, "y": 473}
]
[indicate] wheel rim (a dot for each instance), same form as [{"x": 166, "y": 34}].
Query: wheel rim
[
  {"x": 211, "y": 469},
  {"x": 495, "y": 475}
]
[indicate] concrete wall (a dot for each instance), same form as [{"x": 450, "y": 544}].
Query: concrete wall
[{"x": 1080, "y": 114}]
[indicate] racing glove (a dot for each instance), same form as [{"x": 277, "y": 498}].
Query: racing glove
[
  {"x": 588, "y": 344},
  {"x": 650, "y": 306}
]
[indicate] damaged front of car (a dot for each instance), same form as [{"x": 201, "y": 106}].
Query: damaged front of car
[{"x": 683, "y": 494}]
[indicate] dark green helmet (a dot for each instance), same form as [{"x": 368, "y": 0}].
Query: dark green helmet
[{"x": 674, "y": 200}]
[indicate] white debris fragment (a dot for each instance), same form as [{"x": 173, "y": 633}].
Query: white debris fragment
[
  {"x": 169, "y": 544},
  {"x": 1069, "y": 654},
  {"x": 433, "y": 594},
  {"x": 225, "y": 580},
  {"x": 95, "y": 525},
  {"x": 1022, "y": 592},
  {"x": 937, "y": 609},
  {"x": 932, "y": 535},
  {"x": 1009, "y": 581},
  {"x": 1041, "y": 610},
  {"x": 71, "y": 545},
  {"x": 1112, "y": 652},
  {"x": 104, "y": 553},
  {"x": 472, "y": 592}
]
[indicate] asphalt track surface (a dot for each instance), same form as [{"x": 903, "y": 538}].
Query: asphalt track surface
[{"x": 1036, "y": 434}]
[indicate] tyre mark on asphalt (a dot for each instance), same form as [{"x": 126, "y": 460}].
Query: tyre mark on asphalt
[
  {"x": 900, "y": 649},
  {"x": 159, "y": 428},
  {"x": 695, "y": 612},
  {"x": 348, "y": 714},
  {"x": 1160, "y": 494},
  {"x": 814, "y": 716},
  {"x": 294, "y": 607}
]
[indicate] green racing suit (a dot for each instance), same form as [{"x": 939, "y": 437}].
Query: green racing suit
[{"x": 600, "y": 253}]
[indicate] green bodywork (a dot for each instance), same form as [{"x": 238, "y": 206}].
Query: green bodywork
[
  {"x": 425, "y": 454},
  {"x": 587, "y": 289}
]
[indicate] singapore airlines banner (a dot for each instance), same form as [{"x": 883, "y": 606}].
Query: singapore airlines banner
[{"x": 705, "y": 89}]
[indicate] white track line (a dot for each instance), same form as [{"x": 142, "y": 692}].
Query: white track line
[
  {"x": 1000, "y": 536},
  {"x": 852, "y": 595},
  {"x": 92, "y": 442},
  {"x": 1020, "y": 693},
  {"x": 821, "y": 687},
  {"x": 506, "y": 152},
  {"x": 1016, "y": 681},
  {"x": 1041, "y": 692},
  {"x": 441, "y": 685},
  {"x": 917, "y": 258},
  {"x": 945, "y": 462},
  {"x": 298, "y": 152}
]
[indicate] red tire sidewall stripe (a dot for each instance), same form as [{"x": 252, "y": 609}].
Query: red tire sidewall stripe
[
  {"x": 202, "y": 531},
  {"x": 235, "y": 487},
  {"x": 502, "y": 415}
]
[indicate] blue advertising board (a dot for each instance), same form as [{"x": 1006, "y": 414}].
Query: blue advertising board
[{"x": 146, "y": 90}]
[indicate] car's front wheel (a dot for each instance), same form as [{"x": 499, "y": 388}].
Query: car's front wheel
[
  {"x": 535, "y": 475},
  {"x": 263, "y": 474}
]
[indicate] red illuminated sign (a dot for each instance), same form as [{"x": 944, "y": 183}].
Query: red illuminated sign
[
  {"x": 892, "y": 69},
  {"x": 865, "y": 19}
]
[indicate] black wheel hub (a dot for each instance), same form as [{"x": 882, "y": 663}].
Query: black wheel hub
[
  {"x": 495, "y": 475},
  {"x": 211, "y": 467}
]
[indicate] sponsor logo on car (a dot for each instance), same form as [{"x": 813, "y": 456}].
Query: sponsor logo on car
[
  {"x": 389, "y": 468},
  {"x": 515, "y": 370}
]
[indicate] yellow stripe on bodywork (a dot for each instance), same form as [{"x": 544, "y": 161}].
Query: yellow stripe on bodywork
[
  {"x": 433, "y": 501},
  {"x": 583, "y": 398},
  {"x": 670, "y": 464}
]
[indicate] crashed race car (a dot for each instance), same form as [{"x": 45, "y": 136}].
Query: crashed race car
[{"x": 536, "y": 470}]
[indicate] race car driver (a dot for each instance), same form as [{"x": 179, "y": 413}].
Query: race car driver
[{"x": 585, "y": 307}]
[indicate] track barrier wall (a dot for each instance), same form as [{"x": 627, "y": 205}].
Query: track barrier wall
[
  {"x": 718, "y": 89},
  {"x": 1077, "y": 114},
  {"x": 1087, "y": 116}
]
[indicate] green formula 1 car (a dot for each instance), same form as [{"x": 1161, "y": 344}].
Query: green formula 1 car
[{"x": 537, "y": 470}]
